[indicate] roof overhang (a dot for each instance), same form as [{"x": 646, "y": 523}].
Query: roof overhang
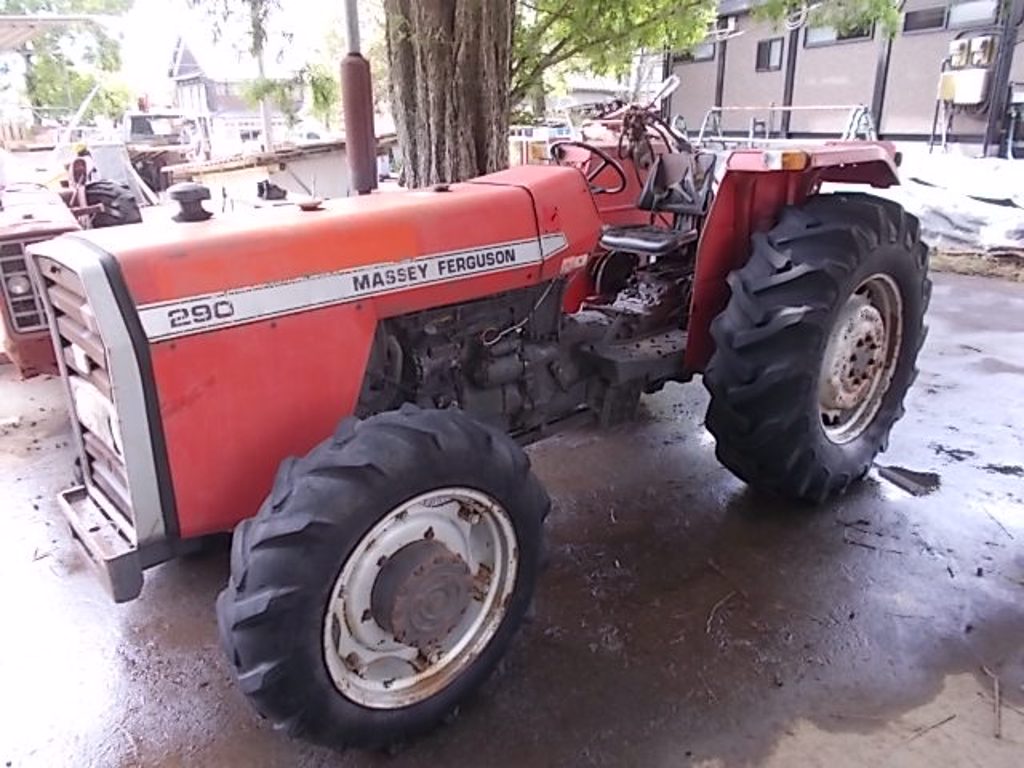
[{"x": 15, "y": 31}]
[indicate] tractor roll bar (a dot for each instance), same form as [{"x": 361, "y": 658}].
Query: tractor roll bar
[{"x": 860, "y": 122}]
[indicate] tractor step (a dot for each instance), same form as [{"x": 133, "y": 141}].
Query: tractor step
[
  {"x": 651, "y": 360},
  {"x": 115, "y": 558}
]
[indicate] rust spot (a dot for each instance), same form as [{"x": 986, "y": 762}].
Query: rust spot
[{"x": 469, "y": 514}]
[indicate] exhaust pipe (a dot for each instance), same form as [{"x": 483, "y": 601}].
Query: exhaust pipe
[{"x": 357, "y": 102}]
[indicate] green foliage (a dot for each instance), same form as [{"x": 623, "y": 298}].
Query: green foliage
[
  {"x": 599, "y": 35},
  {"x": 64, "y": 65},
  {"x": 326, "y": 92},
  {"x": 284, "y": 95},
  {"x": 67, "y": 7},
  {"x": 57, "y": 89},
  {"x": 112, "y": 100},
  {"x": 844, "y": 15}
]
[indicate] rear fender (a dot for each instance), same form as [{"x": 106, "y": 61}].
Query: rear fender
[{"x": 754, "y": 189}]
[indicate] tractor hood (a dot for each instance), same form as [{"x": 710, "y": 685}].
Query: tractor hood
[{"x": 165, "y": 261}]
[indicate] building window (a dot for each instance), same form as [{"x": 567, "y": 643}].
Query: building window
[
  {"x": 815, "y": 36},
  {"x": 769, "y": 55},
  {"x": 925, "y": 19},
  {"x": 958, "y": 14},
  {"x": 971, "y": 13},
  {"x": 700, "y": 52}
]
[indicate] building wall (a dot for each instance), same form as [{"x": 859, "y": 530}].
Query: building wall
[
  {"x": 840, "y": 73},
  {"x": 696, "y": 92},
  {"x": 914, "y": 78},
  {"x": 1017, "y": 69},
  {"x": 190, "y": 97},
  {"x": 744, "y": 86},
  {"x": 837, "y": 74}
]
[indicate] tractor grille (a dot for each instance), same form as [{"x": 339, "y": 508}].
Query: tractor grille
[
  {"x": 86, "y": 366},
  {"x": 24, "y": 308}
]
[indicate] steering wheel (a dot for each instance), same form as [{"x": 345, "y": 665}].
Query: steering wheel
[{"x": 607, "y": 161}]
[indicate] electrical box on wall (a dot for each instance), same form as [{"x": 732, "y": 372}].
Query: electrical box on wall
[
  {"x": 947, "y": 86},
  {"x": 959, "y": 53},
  {"x": 970, "y": 86},
  {"x": 982, "y": 51}
]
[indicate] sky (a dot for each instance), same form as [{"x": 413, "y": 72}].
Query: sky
[{"x": 150, "y": 30}]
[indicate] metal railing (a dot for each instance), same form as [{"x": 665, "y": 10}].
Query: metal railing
[{"x": 859, "y": 124}]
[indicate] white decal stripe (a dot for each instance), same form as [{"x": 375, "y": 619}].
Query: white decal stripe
[
  {"x": 552, "y": 244},
  {"x": 196, "y": 314}
]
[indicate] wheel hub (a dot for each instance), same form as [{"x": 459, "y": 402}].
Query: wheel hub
[
  {"x": 860, "y": 358},
  {"x": 855, "y": 357},
  {"x": 421, "y": 594},
  {"x": 420, "y": 597}
]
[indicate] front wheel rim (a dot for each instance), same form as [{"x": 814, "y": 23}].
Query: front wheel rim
[
  {"x": 860, "y": 358},
  {"x": 420, "y": 598}
]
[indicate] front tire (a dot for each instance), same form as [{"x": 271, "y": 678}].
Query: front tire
[
  {"x": 818, "y": 344},
  {"x": 383, "y": 578}
]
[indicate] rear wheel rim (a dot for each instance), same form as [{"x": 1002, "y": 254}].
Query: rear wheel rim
[
  {"x": 420, "y": 598},
  {"x": 860, "y": 358}
]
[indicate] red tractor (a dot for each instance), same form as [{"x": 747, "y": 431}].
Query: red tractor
[
  {"x": 29, "y": 213},
  {"x": 404, "y": 346}
]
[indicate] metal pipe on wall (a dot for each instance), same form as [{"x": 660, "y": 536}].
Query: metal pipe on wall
[
  {"x": 999, "y": 90},
  {"x": 789, "y": 81}
]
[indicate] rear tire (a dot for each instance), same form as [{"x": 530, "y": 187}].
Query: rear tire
[
  {"x": 784, "y": 419},
  {"x": 119, "y": 204},
  {"x": 296, "y": 613}
]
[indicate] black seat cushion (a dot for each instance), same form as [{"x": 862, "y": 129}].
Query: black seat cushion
[
  {"x": 679, "y": 183},
  {"x": 648, "y": 240}
]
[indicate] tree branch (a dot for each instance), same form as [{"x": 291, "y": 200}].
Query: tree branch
[
  {"x": 535, "y": 34},
  {"x": 559, "y": 53}
]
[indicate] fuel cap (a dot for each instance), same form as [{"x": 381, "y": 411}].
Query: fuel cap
[{"x": 190, "y": 196}]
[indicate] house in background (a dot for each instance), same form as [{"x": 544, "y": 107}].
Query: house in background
[
  {"x": 758, "y": 63},
  {"x": 210, "y": 86}
]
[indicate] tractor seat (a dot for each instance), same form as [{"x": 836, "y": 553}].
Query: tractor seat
[
  {"x": 648, "y": 240},
  {"x": 670, "y": 189}
]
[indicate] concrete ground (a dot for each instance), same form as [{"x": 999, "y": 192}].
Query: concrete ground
[{"x": 683, "y": 620}]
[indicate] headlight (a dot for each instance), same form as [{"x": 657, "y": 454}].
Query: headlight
[{"x": 19, "y": 285}]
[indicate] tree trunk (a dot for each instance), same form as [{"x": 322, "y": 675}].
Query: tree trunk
[
  {"x": 265, "y": 118},
  {"x": 538, "y": 101},
  {"x": 450, "y": 86}
]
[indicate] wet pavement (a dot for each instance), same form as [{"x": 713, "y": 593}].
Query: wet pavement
[{"x": 683, "y": 619}]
